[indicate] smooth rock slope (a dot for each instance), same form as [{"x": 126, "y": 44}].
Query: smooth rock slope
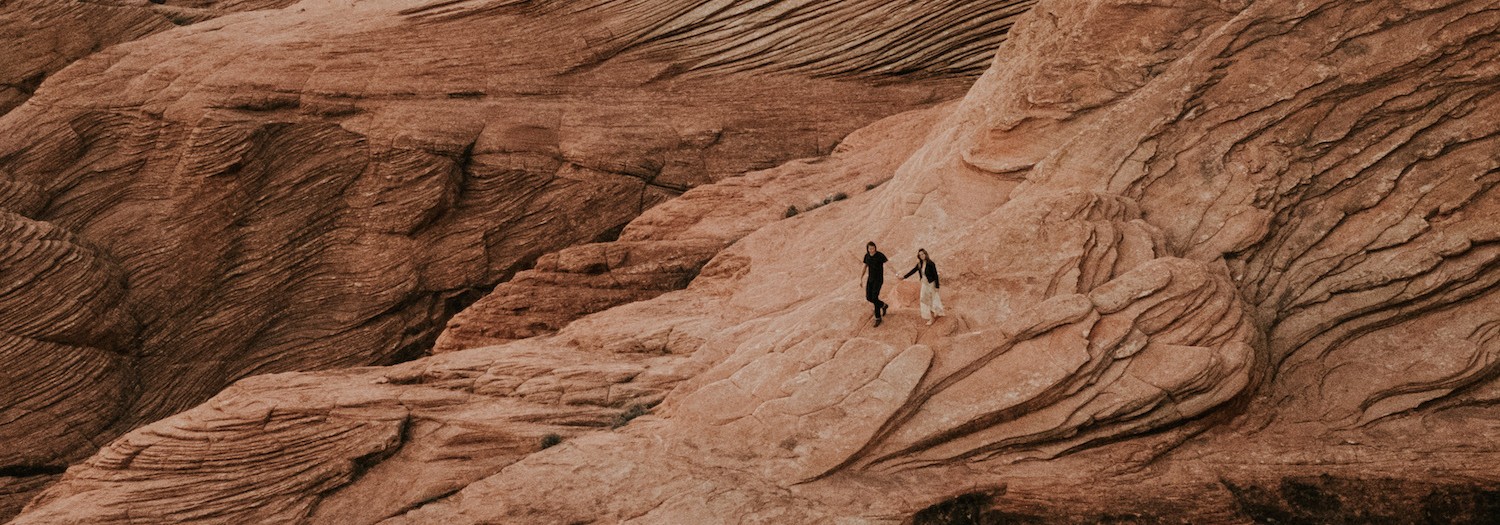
[
  {"x": 269, "y": 186},
  {"x": 1210, "y": 262}
]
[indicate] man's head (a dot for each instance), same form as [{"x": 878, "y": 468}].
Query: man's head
[{"x": 870, "y": 247}]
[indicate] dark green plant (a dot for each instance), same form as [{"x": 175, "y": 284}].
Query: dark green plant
[
  {"x": 791, "y": 211},
  {"x": 634, "y": 411},
  {"x": 550, "y": 440}
]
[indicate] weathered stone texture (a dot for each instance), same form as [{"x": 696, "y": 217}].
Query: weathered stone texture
[{"x": 1204, "y": 261}]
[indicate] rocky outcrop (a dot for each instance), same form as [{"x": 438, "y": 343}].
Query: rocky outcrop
[
  {"x": 666, "y": 247},
  {"x": 42, "y": 37},
  {"x": 901, "y": 38},
  {"x": 66, "y": 359},
  {"x": 321, "y": 184},
  {"x": 1204, "y": 261},
  {"x": 420, "y": 421},
  {"x": 1127, "y": 311}
]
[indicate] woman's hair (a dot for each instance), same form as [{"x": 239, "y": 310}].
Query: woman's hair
[{"x": 922, "y": 254}]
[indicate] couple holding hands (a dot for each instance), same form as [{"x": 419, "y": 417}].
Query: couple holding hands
[{"x": 926, "y": 272}]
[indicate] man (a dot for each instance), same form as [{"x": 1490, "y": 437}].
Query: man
[{"x": 875, "y": 267}]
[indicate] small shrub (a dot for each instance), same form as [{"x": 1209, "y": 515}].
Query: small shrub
[
  {"x": 791, "y": 211},
  {"x": 827, "y": 200},
  {"x": 869, "y": 187},
  {"x": 550, "y": 440},
  {"x": 975, "y": 508},
  {"x": 633, "y": 412},
  {"x": 839, "y": 196}
]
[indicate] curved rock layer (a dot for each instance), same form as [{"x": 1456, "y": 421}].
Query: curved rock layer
[
  {"x": 666, "y": 247},
  {"x": 1177, "y": 290},
  {"x": 897, "y": 39},
  {"x": 72, "y": 344},
  {"x": 465, "y": 415},
  {"x": 42, "y": 37},
  {"x": 321, "y": 184}
]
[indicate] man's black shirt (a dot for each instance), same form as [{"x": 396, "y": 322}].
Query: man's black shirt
[{"x": 876, "y": 265}]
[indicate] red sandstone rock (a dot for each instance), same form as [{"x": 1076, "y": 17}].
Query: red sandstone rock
[
  {"x": 321, "y": 185},
  {"x": 1214, "y": 262},
  {"x": 43, "y": 36},
  {"x": 664, "y": 248}
]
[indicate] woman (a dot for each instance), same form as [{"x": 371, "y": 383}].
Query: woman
[{"x": 932, "y": 305}]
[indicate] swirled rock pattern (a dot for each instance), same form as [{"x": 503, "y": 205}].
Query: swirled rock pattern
[
  {"x": 420, "y": 421},
  {"x": 1204, "y": 261},
  {"x": 666, "y": 247},
  {"x": 272, "y": 185},
  {"x": 67, "y": 361},
  {"x": 42, "y": 37},
  {"x": 899, "y": 38}
]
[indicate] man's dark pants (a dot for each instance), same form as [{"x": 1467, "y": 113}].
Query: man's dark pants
[{"x": 872, "y": 294}]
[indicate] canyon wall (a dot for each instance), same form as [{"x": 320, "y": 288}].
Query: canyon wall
[
  {"x": 195, "y": 191},
  {"x": 1204, "y": 261},
  {"x": 42, "y": 37}
]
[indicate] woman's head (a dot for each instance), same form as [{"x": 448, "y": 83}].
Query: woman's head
[
  {"x": 921, "y": 254},
  {"x": 870, "y": 247}
]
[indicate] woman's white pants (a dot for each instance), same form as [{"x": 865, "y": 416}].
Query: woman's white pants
[{"x": 931, "y": 303}]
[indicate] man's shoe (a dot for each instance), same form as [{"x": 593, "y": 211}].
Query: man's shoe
[
  {"x": 885, "y": 308},
  {"x": 877, "y": 321}
]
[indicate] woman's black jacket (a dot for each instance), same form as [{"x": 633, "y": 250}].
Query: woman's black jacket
[{"x": 931, "y": 273}]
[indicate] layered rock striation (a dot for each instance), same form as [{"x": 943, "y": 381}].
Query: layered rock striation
[
  {"x": 43, "y": 36},
  {"x": 251, "y": 187},
  {"x": 1217, "y": 262},
  {"x": 665, "y": 248}
]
